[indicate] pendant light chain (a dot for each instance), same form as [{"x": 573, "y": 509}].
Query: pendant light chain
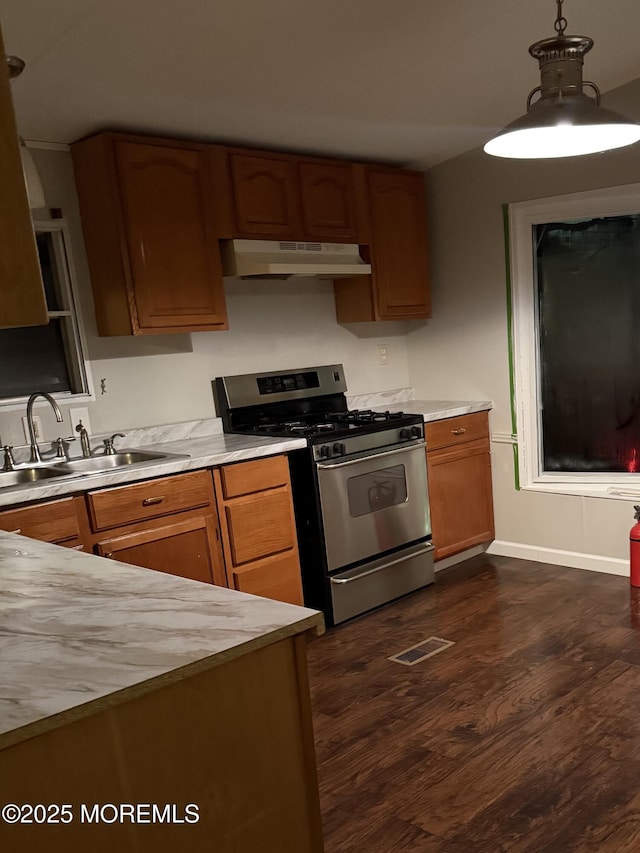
[{"x": 561, "y": 22}]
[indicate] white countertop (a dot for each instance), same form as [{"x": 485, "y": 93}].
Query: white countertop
[
  {"x": 79, "y": 633},
  {"x": 216, "y": 448},
  {"x": 437, "y": 410},
  {"x": 203, "y": 452}
]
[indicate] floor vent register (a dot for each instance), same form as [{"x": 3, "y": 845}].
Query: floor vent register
[{"x": 421, "y": 651}]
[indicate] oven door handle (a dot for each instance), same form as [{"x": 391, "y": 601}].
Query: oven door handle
[
  {"x": 386, "y": 566},
  {"x": 404, "y": 449}
]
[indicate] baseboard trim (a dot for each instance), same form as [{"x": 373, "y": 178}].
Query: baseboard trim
[
  {"x": 454, "y": 559},
  {"x": 571, "y": 559}
]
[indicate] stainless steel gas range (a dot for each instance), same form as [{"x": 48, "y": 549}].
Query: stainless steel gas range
[{"x": 359, "y": 487}]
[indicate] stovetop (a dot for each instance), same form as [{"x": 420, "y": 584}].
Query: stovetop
[{"x": 320, "y": 426}]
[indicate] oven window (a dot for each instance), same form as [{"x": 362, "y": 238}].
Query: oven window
[{"x": 377, "y": 490}]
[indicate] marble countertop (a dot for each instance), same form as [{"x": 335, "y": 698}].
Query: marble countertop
[
  {"x": 79, "y": 634},
  {"x": 204, "y": 445},
  {"x": 203, "y": 451},
  {"x": 436, "y": 410}
]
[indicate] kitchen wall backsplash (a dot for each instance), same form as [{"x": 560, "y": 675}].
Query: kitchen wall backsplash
[{"x": 167, "y": 379}]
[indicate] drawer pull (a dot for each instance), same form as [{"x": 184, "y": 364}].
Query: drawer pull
[
  {"x": 152, "y": 501},
  {"x": 108, "y": 554},
  {"x": 460, "y": 431}
]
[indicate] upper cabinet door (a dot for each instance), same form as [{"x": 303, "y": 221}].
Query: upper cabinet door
[
  {"x": 23, "y": 301},
  {"x": 328, "y": 201},
  {"x": 149, "y": 228},
  {"x": 265, "y": 196},
  {"x": 173, "y": 254},
  {"x": 399, "y": 243}
]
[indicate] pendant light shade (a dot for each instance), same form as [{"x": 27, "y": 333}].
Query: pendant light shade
[
  {"x": 35, "y": 192},
  {"x": 564, "y": 121}
]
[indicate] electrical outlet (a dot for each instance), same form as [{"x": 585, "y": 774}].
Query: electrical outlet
[
  {"x": 37, "y": 428},
  {"x": 80, "y": 415},
  {"x": 383, "y": 354}
]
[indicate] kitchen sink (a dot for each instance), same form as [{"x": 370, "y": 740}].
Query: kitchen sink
[
  {"x": 114, "y": 461},
  {"x": 23, "y": 476}
]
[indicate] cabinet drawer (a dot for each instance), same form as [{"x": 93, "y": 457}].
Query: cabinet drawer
[
  {"x": 256, "y": 476},
  {"x": 126, "y": 504},
  {"x": 54, "y": 521},
  {"x": 451, "y": 431},
  {"x": 260, "y": 525},
  {"x": 276, "y": 577}
]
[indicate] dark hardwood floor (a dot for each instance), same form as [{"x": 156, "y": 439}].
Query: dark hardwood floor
[{"x": 523, "y": 737}]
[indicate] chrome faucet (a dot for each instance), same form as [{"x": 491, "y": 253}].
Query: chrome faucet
[
  {"x": 35, "y": 450},
  {"x": 109, "y": 449},
  {"x": 84, "y": 439}
]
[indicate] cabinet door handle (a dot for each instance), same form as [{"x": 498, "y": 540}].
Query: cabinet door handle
[
  {"x": 152, "y": 501},
  {"x": 108, "y": 554},
  {"x": 460, "y": 431},
  {"x": 17, "y": 530}
]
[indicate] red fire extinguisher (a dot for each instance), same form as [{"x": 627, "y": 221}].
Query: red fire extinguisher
[{"x": 634, "y": 547}]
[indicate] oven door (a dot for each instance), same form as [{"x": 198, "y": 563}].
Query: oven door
[{"x": 374, "y": 503}]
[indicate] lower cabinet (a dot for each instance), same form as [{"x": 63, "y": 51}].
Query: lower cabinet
[
  {"x": 168, "y": 524},
  {"x": 460, "y": 491},
  {"x": 185, "y": 547},
  {"x": 61, "y": 522},
  {"x": 241, "y": 535},
  {"x": 258, "y": 528}
]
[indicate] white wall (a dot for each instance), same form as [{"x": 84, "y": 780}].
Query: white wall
[
  {"x": 167, "y": 379},
  {"x": 462, "y": 352}
]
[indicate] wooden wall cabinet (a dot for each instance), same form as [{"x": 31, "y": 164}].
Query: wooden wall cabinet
[
  {"x": 460, "y": 490},
  {"x": 154, "y": 211},
  {"x": 23, "y": 301},
  {"x": 258, "y": 528},
  {"x": 287, "y": 197},
  {"x": 148, "y": 216},
  {"x": 398, "y": 288},
  {"x": 168, "y": 524}
]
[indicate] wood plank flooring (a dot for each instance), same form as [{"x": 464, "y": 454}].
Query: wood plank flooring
[{"x": 523, "y": 737}]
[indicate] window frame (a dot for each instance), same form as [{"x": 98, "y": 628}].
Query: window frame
[
  {"x": 77, "y": 361},
  {"x": 525, "y": 388}
]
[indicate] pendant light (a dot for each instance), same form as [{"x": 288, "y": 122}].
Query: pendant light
[
  {"x": 564, "y": 121},
  {"x": 35, "y": 192}
]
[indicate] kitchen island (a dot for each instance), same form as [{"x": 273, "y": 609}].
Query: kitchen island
[{"x": 123, "y": 686}]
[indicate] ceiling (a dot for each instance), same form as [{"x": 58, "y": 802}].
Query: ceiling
[{"x": 408, "y": 81}]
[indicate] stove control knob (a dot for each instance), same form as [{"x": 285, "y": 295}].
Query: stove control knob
[
  {"x": 339, "y": 449},
  {"x": 405, "y": 433},
  {"x": 416, "y": 432},
  {"x": 325, "y": 451}
]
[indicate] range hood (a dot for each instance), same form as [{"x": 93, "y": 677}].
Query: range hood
[{"x": 283, "y": 259}]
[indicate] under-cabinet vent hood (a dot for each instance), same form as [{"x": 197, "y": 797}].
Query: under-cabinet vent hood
[{"x": 274, "y": 259}]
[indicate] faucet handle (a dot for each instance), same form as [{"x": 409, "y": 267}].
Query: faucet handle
[
  {"x": 9, "y": 461},
  {"x": 109, "y": 449},
  {"x": 59, "y": 443}
]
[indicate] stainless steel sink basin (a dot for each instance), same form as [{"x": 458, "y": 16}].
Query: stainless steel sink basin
[
  {"x": 101, "y": 464},
  {"x": 24, "y": 476}
]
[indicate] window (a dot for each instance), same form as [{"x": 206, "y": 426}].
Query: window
[
  {"x": 575, "y": 290},
  {"x": 47, "y": 358}
]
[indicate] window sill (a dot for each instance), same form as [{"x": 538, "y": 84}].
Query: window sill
[
  {"x": 614, "y": 491},
  {"x": 19, "y": 404}
]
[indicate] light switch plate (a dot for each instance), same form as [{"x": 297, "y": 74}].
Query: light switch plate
[
  {"x": 37, "y": 428},
  {"x": 80, "y": 414}
]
